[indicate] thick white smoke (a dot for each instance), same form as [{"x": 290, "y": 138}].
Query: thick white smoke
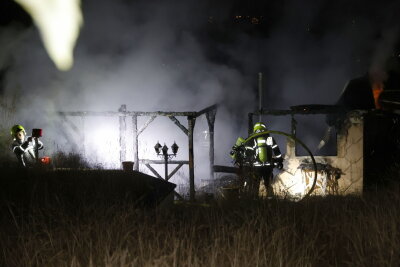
[
  {"x": 171, "y": 56},
  {"x": 59, "y": 22}
]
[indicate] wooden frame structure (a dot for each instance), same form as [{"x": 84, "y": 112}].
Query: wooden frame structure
[
  {"x": 123, "y": 114},
  {"x": 295, "y": 110}
]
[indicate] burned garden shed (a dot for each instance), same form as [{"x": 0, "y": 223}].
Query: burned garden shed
[{"x": 364, "y": 127}]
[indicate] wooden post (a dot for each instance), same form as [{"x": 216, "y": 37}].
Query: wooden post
[
  {"x": 122, "y": 133},
  {"x": 293, "y": 126},
  {"x": 83, "y": 136},
  {"x": 191, "y": 123},
  {"x": 210, "y": 120},
  {"x": 260, "y": 95},
  {"x": 135, "y": 143},
  {"x": 250, "y": 125},
  {"x": 166, "y": 167},
  {"x": 293, "y": 132}
]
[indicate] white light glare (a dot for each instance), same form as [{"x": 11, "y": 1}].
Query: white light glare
[{"x": 59, "y": 22}]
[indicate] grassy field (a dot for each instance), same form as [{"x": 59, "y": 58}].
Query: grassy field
[{"x": 332, "y": 231}]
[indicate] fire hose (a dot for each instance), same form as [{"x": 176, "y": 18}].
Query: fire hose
[{"x": 297, "y": 141}]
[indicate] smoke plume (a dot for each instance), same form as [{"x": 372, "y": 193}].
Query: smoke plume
[
  {"x": 59, "y": 22},
  {"x": 186, "y": 55}
]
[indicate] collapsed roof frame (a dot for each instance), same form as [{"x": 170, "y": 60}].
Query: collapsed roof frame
[
  {"x": 295, "y": 110},
  {"x": 123, "y": 113}
]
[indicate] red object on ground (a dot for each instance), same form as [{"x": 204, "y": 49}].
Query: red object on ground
[{"x": 45, "y": 160}]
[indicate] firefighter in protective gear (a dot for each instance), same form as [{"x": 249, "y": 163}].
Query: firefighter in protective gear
[
  {"x": 23, "y": 146},
  {"x": 264, "y": 146},
  {"x": 261, "y": 154}
]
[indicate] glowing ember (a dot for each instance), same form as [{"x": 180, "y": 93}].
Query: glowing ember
[
  {"x": 59, "y": 22},
  {"x": 45, "y": 160},
  {"x": 377, "y": 89}
]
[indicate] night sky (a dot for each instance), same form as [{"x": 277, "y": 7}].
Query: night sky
[{"x": 315, "y": 45}]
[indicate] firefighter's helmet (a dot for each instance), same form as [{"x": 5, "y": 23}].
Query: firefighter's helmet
[
  {"x": 16, "y": 129},
  {"x": 259, "y": 127}
]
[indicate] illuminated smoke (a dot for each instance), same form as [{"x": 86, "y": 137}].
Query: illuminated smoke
[
  {"x": 59, "y": 22},
  {"x": 155, "y": 55}
]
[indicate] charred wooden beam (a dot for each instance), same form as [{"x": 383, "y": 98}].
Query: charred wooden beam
[
  {"x": 146, "y": 124},
  {"x": 177, "y": 123},
  {"x": 206, "y": 110},
  {"x": 128, "y": 113},
  {"x": 174, "y": 171},
  {"x": 139, "y": 113},
  {"x": 153, "y": 170},
  {"x": 302, "y": 110},
  {"x": 149, "y": 161},
  {"x": 250, "y": 124},
  {"x": 296, "y": 110},
  {"x": 191, "y": 123},
  {"x": 275, "y": 112},
  {"x": 210, "y": 115},
  {"x": 260, "y": 94},
  {"x": 317, "y": 108},
  {"x": 226, "y": 169},
  {"x": 122, "y": 133},
  {"x": 163, "y": 113},
  {"x": 135, "y": 143}
]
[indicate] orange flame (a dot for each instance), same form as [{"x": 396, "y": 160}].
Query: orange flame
[
  {"x": 377, "y": 89},
  {"x": 45, "y": 160}
]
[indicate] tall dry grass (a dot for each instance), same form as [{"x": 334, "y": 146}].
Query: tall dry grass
[{"x": 332, "y": 231}]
